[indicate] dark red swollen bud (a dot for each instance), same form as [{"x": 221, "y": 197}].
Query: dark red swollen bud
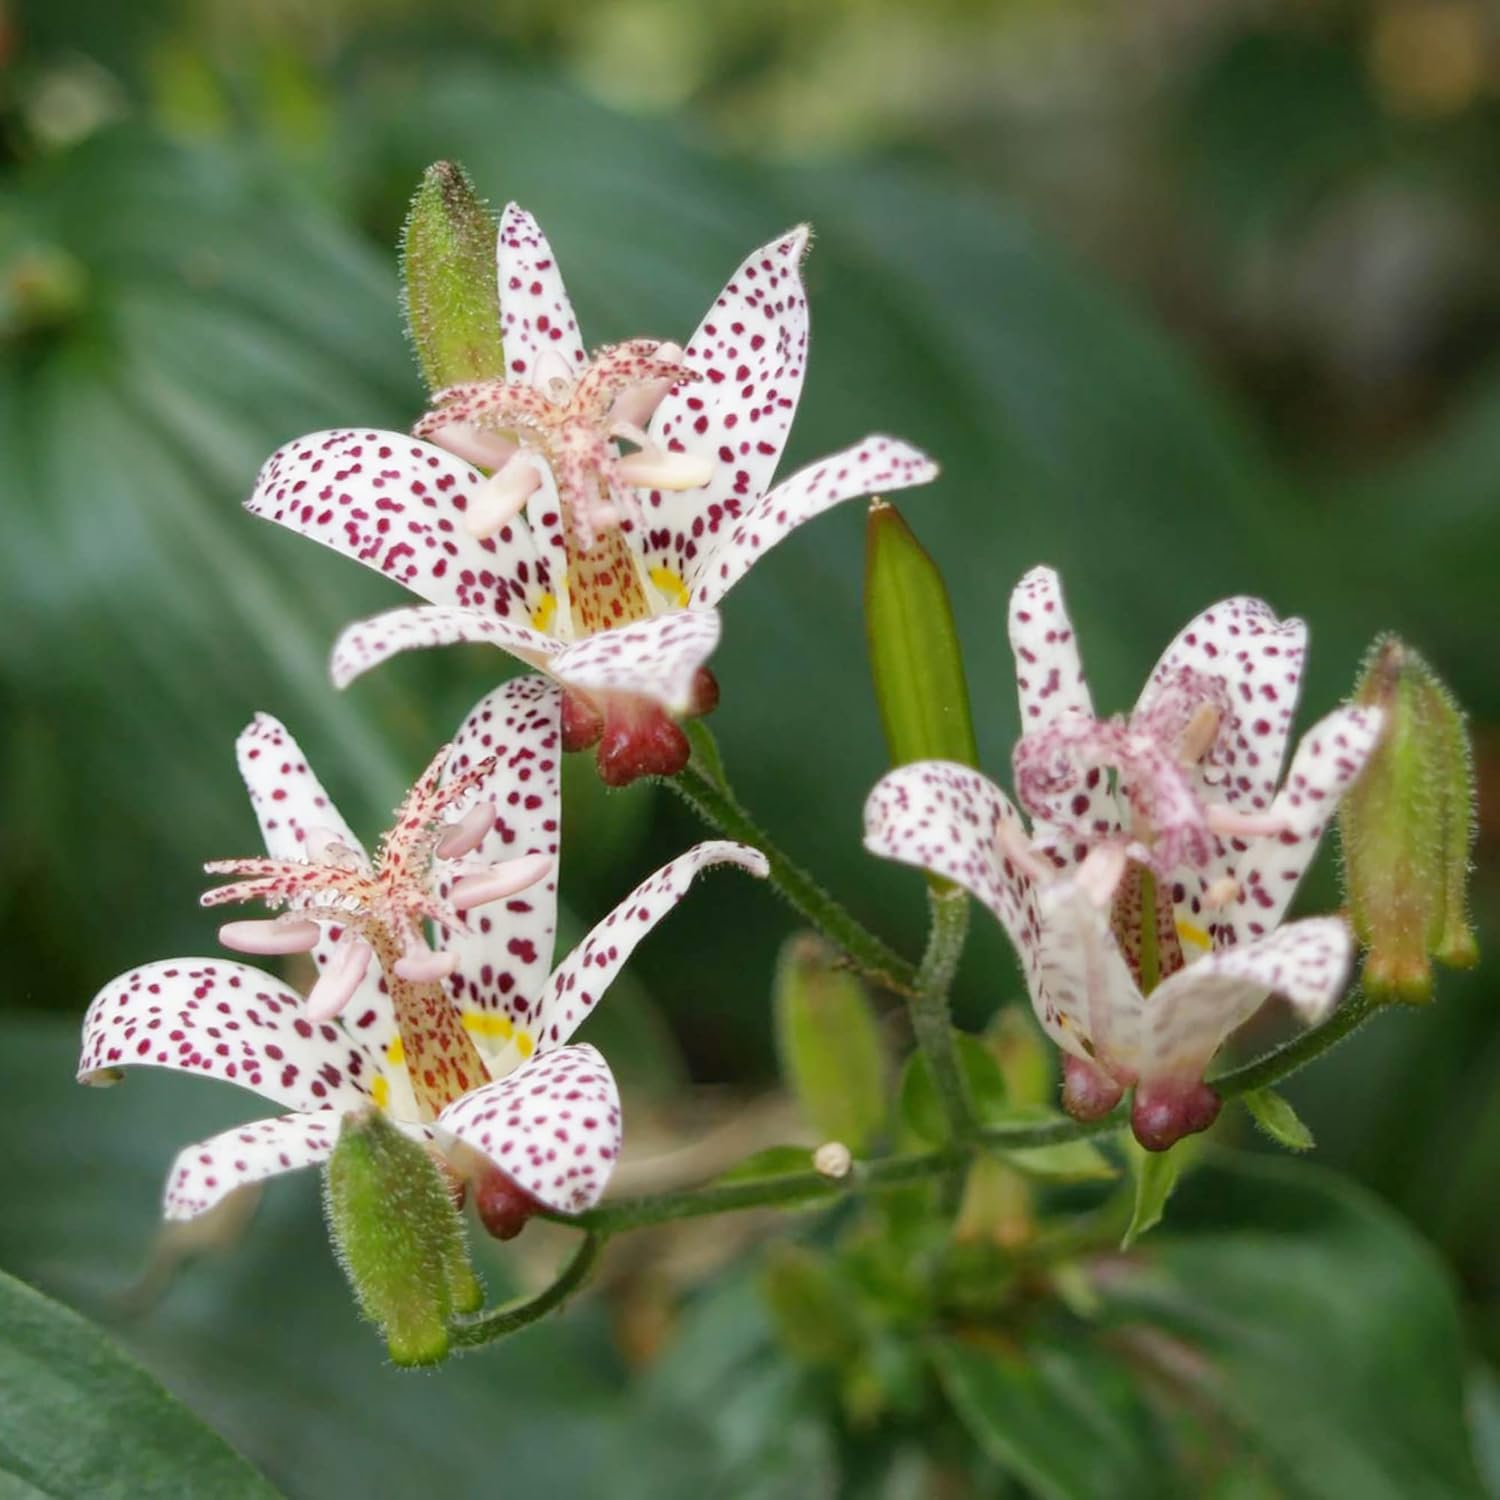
[
  {"x": 582, "y": 723},
  {"x": 639, "y": 739},
  {"x": 1162, "y": 1113},
  {"x": 1088, "y": 1092},
  {"x": 503, "y": 1208},
  {"x": 705, "y": 698}
]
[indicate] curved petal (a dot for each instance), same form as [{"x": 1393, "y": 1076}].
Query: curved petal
[
  {"x": 368, "y": 643},
  {"x": 1049, "y": 669},
  {"x": 1188, "y": 1016},
  {"x": 288, "y": 798},
  {"x": 656, "y": 658},
  {"x": 1259, "y": 659},
  {"x": 227, "y": 1021},
  {"x": 876, "y": 465},
  {"x": 504, "y": 959},
  {"x": 950, "y": 820},
  {"x": 1264, "y": 872},
  {"x": 208, "y": 1172},
  {"x": 750, "y": 354},
  {"x": 537, "y": 326},
  {"x": 591, "y": 967},
  {"x": 552, "y": 1126},
  {"x": 396, "y": 505}
]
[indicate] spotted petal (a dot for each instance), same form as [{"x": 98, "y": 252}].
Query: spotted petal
[
  {"x": 208, "y": 1172},
  {"x": 750, "y": 354},
  {"x": 1264, "y": 872},
  {"x": 552, "y": 1126},
  {"x": 1259, "y": 658},
  {"x": 367, "y": 643},
  {"x": 537, "y": 326},
  {"x": 1188, "y": 1016},
  {"x": 656, "y": 658},
  {"x": 227, "y": 1021},
  {"x": 503, "y": 961},
  {"x": 396, "y": 505},
  {"x": 875, "y": 466},
  {"x": 1049, "y": 669},
  {"x": 591, "y": 967}
]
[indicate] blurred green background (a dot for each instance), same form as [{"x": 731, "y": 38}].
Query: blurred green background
[{"x": 1189, "y": 300}]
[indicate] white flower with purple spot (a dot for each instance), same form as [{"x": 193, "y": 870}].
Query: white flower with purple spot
[
  {"x": 1145, "y": 898},
  {"x": 586, "y": 514},
  {"x": 461, "y": 1037}
]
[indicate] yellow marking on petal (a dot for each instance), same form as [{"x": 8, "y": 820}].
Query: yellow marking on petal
[
  {"x": 488, "y": 1023},
  {"x": 380, "y": 1092},
  {"x": 544, "y": 614},
  {"x": 396, "y": 1052},
  {"x": 672, "y": 586},
  {"x": 524, "y": 1045},
  {"x": 1194, "y": 935}
]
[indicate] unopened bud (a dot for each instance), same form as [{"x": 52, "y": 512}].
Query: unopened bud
[
  {"x": 1407, "y": 828},
  {"x": 399, "y": 1237},
  {"x": 829, "y": 1044},
  {"x": 833, "y": 1160},
  {"x": 503, "y": 1207},
  {"x": 452, "y": 302},
  {"x": 914, "y": 652}
]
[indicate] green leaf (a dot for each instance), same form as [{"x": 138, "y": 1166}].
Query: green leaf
[
  {"x": 922, "y": 1111},
  {"x": 1156, "y": 1175},
  {"x": 1319, "y": 1325},
  {"x": 774, "y": 1161},
  {"x": 815, "y": 1313},
  {"x": 1058, "y": 1416},
  {"x": 1278, "y": 1119},
  {"x": 78, "y": 1418},
  {"x": 829, "y": 1042}
]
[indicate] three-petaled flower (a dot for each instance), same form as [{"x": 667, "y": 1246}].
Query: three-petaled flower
[
  {"x": 597, "y": 565},
  {"x": 1145, "y": 899},
  {"x": 463, "y": 1043}
]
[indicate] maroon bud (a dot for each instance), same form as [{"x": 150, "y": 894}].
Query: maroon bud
[
  {"x": 582, "y": 723},
  {"x": 1162, "y": 1113},
  {"x": 503, "y": 1208},
  {"x": 639, "y": 739},
  {"x": 1088, "y": 1092},
  {"x": 705, "y": 694}
]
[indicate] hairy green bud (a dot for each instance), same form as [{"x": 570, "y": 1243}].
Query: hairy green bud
[
  {"x": 452, "y": 301},
  {"x": 399, "y": 1237},
  {"x": 1407, "y": 828}
]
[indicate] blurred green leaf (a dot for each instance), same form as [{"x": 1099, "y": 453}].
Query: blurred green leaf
[
  {"x": 922, "y": 1111},
  {"x": 774, "y": 1161},
  {"x": 1155, "y": 1177},
  {"x": 1078, "y": 1161},
  {"x": 1278, "y": 1119},
  {"x": 78, "y": 1418}
]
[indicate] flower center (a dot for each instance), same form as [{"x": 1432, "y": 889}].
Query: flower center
[
  {"x": 380, "y": 913},
  {"x": 574, "y": 426}
]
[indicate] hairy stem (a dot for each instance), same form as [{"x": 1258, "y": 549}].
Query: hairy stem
[
  {"x": 486, "y": 1327},
  {"x": 930, "y": 1016},
  {"x": 1286, "y": 1059}
]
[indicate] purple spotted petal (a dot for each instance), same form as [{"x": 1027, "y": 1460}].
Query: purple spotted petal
[
  {"x": 1259, "y": 659},
  {"x": 552, "y": 1126},
  {"x": 875, "y": 466},
  {"x": 656, "y": 658},
  {"x": 1188, "y": 1016},
  {"x": 227, "y": 1021},
  {"x": 1049, "y": 669},
  {"x": 537, "y": 326},
  {"x": 591, "y": 967},
  {"x": 750, "y": 354},
  {"x": 367, "y": 643},
  {"x": 503, "y": 961},
  {"x": 396, "y": 505},
  {"x": 209, "y": 1171}
]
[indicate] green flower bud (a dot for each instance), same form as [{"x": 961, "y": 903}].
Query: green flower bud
[
  {"x": 914, "y": 652},
  {"x": 1407, "y": 828},
  {"x": 452, "y": 300},
  {"x": 829, "y": 1042},
  {"x": 399, "y": 1237}
]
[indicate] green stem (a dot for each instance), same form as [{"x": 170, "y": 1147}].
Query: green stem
[
  {"x": 710, "y": 797},
  {"x": 485, "y": 1328},
  {"x": 1286, "y": 1059},
  {"x": 930, "y": 1016}
]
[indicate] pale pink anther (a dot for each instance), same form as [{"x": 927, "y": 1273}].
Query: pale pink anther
[
  {"x": 274, "y": 935},
  {"x": 468, "y": 833},
  {"x": 500, "y": 880},
  {"x": 637, "y": 405},
  {"x": 486, "y": 450},
  {"x": 651, "y": 469},
  {"x": 422, "y": 965},
  {"x": 1199, "y": 735},
  {"x": 1100, "y": 873},
  {"x": 503, "y": 496},
  {"x": 1230, "y": 823},
  {"x": 1221, "y": 892},
  {"x": 338, "y": 982}
]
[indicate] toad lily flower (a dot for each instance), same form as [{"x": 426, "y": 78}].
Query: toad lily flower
[
  {"x": 599, "y": 566},
  {"x": 464, "y": 1044},
  {"x": 1139, "y": 967}
]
